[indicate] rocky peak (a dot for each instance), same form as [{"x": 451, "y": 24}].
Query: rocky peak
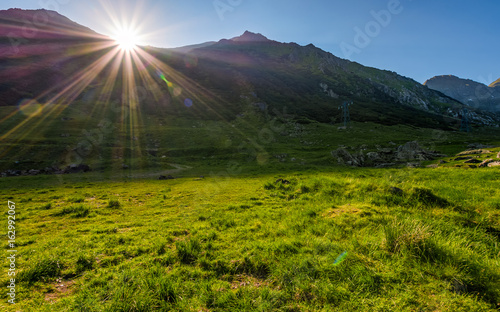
[{"x": 250, "y": 37}]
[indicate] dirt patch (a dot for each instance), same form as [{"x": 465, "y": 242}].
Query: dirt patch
[
  {"x": 247, "y": 281},
  {"x": 60, "y": 289},
  {"x": 336, "y": 212}
]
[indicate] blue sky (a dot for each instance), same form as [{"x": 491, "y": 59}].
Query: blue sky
[{"x": 415, "y": 38}]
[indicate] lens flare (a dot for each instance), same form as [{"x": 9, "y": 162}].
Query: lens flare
[
  {"x": 188, "y": 102},
  {"x": 126, "y": 39},
  {"x": 30, "y": 107},
  {"x": 340, "y": 258}
]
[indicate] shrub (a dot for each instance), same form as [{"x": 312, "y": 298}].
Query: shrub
[{"x": 114, "y": 204}]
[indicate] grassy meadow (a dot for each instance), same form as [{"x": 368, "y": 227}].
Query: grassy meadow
[
  {"x": 255, "y": 220},
  {"x": 416, "y": 240}
]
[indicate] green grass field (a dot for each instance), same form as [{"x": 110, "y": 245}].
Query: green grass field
[
  {"x": 249, "y": 243},
  {"x": 239, "y": 238}
]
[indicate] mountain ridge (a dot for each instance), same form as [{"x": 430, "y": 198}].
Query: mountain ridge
[
  {"x": 469, "y": 92},
  {"x": 309, "y": 81}
]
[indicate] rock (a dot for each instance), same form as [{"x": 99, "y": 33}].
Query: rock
[
  {"x": 413, "y": 151},
  {"x": 73, "y": 168},
  {"x": 48, "y": 170},
  {"x": 433, "y": 166},
  {"x": 474, "y": 152},
  {"x": 385, "y": 165},
  {"x": 373, "y": 156},
  {"x": 461, "y": 158},
  {"x": 345, "y": 158},
  {"x": 485, "y": 163},
  {"x": 124, "y": 167},
  {"x": 478, "y": 146},
  {"x": 396, "y": 191},
  {"x": 34, "y": 172},
  {"x": 494, "y": 164},
  {"x": 385, "y": 150},
  {"x": 169, "y": 177},
  {"x": 498, "y": 155},
  {"x": 413, "y": 165},
  {"x": 472, "y": 166},
  {"x": 472, "y": 161},
  {"x": 442, "y": 162}
]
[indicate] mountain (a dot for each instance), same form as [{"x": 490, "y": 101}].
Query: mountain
[
  {"x": 469, "y": 92},
  {"x": 189, "y": 48},
  {"x": 40, "y": 50},
  {"x": 250, "y": 37},
  {"x": 228, "y": 77},
  {"x": 311, "y": 83}
]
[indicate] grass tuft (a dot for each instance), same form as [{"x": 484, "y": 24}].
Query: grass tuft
[{"x": 114, "y": 204}]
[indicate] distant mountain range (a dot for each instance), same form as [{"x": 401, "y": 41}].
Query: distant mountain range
[
  {"x": 469, "y": 92},
  {"x": 228, "y": 77}
]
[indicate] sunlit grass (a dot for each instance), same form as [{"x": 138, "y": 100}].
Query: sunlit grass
[{"x": 251, "y": 243}]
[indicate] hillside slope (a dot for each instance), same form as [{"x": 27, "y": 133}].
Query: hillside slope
[{"x": 469, "y": 92}]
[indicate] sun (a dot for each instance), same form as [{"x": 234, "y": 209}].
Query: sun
[{"x": 126, "y": 39}]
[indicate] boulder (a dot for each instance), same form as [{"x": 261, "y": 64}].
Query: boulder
[
  {"x": 474, "y": 152},
  {"x": 472, "y": 161},
  {"x": 412, "y": 151},
  {"x": 345, "y": 158},
  {"x": 73, "y": 168},
  {"x": 485, "y": 163},
  {"x": 494, "y": 164}
]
